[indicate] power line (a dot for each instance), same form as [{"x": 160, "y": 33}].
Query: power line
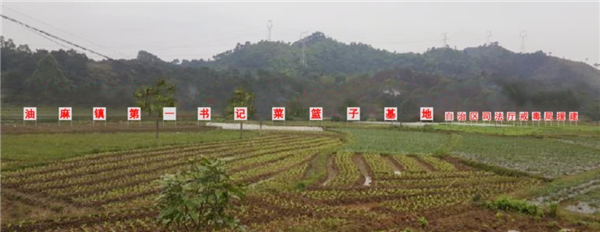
[
  {"x": 56, "y": 37},
  {"x": 84, "y": 39}
]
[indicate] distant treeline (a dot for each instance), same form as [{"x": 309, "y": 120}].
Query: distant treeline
[{"x": 485, "y": 78}]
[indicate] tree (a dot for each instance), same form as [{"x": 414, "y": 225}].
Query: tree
[
  {"x": 593, "y": 111},
  {"x": 241, "y": 98},
  {"x": 200, "y": 198},
  {"x": 48, "y": 79},
  {"x": 152, "y": 99}
]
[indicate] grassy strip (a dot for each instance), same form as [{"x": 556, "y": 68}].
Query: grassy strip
[
  {"x": 558, "y": 184},
  {"x": 495, "y": 169},
  {"x": 40, "y": 149}
]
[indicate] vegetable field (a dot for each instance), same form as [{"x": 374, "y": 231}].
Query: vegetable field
[{"x": 293, "y": 181}]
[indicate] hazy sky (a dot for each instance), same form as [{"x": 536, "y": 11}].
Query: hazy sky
[{"x": 201, "y": 30}]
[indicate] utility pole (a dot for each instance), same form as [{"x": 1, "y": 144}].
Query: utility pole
[
  {"x": 269, "y": 26},
  {"x": 523, "y": 34},
  {"x": 445, "y": 39}
]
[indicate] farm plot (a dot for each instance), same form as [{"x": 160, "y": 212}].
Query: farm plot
[
  {"x": 538, "y": 156},
  {"x": 115, "y": 191}
]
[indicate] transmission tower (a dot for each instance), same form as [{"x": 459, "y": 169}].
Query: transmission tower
[
  {"x": 303, "y": 40},
  {"x": 523, "y": 34},
  {"x": 445, "y": 39},
  {"x": 489, "y": 36},
  {"x": 269, "y": 26}
]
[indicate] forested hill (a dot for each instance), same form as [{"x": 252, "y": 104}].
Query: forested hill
[{"x": 480, "y": 78}]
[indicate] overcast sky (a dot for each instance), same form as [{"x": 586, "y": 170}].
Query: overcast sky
[{"x": 201, "y": 30}]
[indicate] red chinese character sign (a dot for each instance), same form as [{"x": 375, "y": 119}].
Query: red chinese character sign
[
  {"x": 523, "y": 116},
  {"x": 65, "y": 114},
  {"x": 486, "y": 116},
  {"x": 278, "y": 113},
  {"x": 511, "y": 116},
  {"x": 240, "y": 113},
  {"x": 536, "y": 116},
  {"x": 134, "y": 114},
  {"x": 426, "y": 114},
  {"x": 548, "y": 116},
  {"x": 99, "y": 113},
  {"x": 573, "y": 117},
  {"x": 449, "y": 116},
  {"x": 390, "y": 113},
  {"x": 204, "y": 114},
  {"x": 169, "y": 114},
  {"x": 561, "y": 116},
  {"x": 498, "y": 116},
  {"x": 316, "y": 113},
  {"x": 29, "y": 114},
  {"x": 353, "y": 113},
  {"x": 474, "y": 116},
  {"x": 461, "y": 116}
]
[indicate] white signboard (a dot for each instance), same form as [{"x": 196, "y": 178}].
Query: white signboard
[
  {"x": 29, "y": 113},
  {"x": 65, "y": 113},
  {"x": 353, "y": 113},
  {"x": 523, "y": 116},
  {"x": 426, "y": 114},
  {"x": 561, "y": 116},
  {"x": 461, "y": 116},
  {"x": 499, "y": 116},
  {"x": 278, "y": 113},
  {"x": 474, "y": 116},
  {"x": 240, "y": 113},
  {"x": 536, "y": 116},
  {"x": 204, "y": 113},
  {"x": 99, "y": 113},
  {"x": 134, "y": 113},
  {"x": 390, "y": 113},
  {"x": 315, "y": 113},
  {"x": 511, "y": 116},
  {"x": 574, "y": 116},
  {"x": 486, "y": 116},
  {"x": 449, "y": 116},
  {"x": 548, "y": 116},
  {"x": 169, "y": 114}
]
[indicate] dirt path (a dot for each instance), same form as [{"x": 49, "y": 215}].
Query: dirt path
[
  {"x": 394, "y": 164},
  {"x": 360, "y": 162},
  {"x": 331, "y": 170}
]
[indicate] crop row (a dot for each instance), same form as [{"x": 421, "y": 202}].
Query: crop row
[
  {"x": 378, "y": 165},
  {"x": 110, "y": 165},
  {"x": 120, "y": 156},
  {"x": 142, "y": 167},
  {"x": 347, "y": 171},
  {"x": 410, "y": 164},
  {"x": 141, "y": 184}
]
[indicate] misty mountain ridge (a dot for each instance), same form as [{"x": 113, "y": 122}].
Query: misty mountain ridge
[{"x": 487, "y": 77}]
